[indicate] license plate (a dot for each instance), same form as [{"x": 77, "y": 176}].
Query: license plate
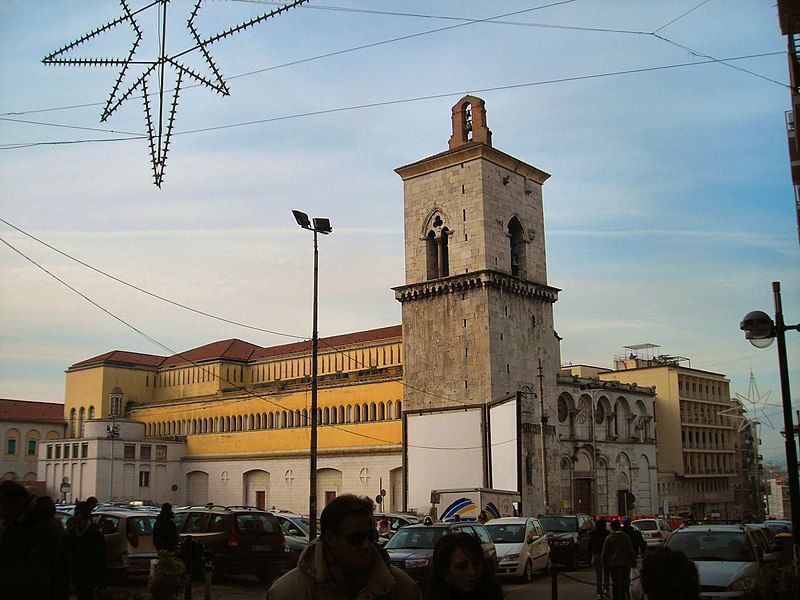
[{"x": 261, "y": 548}]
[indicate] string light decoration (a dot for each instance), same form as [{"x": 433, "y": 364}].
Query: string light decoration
[{"x": 149, "y": 76}]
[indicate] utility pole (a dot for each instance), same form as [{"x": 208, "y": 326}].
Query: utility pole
[
  {"x": 322, "y": 226},
  {"x": 543, "y": 434},
  {"x": 112, "y": 433}
]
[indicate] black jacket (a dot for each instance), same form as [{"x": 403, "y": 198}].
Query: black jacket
[
  {"x": 88, "y": 555},
  {"x": 165, "y": 534},
  {"x": 636, "y": 537},
  {"x": 596, "y": 540}
]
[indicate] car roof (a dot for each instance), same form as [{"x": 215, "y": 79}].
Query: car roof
[
  {"x": 713, "y": 527},
  {"x": 504, "y": 520}
]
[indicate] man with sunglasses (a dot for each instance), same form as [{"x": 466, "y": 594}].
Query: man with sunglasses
[{"x": 346, "y": 561}]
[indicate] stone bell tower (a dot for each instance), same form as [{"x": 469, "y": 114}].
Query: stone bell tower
[{"x": 477, "y": 310}]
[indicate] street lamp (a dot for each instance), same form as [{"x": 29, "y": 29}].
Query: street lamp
[
  {"x": 322, "y": 226},
  {"x": 112, "y": 433},
  {"x": 760, "y": 330}
]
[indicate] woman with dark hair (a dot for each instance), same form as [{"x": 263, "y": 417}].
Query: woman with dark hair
[{"x": 459, "y": 570}]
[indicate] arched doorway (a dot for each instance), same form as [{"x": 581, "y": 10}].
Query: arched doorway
[
  {"x": 329, "y": 485},
  {"x": 395, "y": 490},
  {"x": 256, "y": 488},
  {"x": 197, "y": 488}
]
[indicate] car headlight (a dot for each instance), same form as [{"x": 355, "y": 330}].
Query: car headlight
[
  {"x": 417, "y": 563},
  {"x": 743, "y": 584},
  {"x": 511, "y": 557}
]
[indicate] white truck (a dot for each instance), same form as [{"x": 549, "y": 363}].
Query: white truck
[{"x": 467, "y": 503}]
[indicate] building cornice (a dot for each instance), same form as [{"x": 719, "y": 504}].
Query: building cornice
[
  {"x": 479, "y": 279},
  {"x": 471, "y": 151}
]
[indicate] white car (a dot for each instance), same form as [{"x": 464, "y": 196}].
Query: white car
[
  {"x": 654, "y": 531},
  {"x": 522, "y": 547}
]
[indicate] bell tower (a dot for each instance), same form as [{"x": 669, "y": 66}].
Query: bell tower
[{"x": 477, "y": 309}]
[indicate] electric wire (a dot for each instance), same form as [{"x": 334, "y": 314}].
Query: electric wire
[
  {"x": 442, "y": 95},
  {"x": 680, "y": 17},
  {"x": 338, "y": 349}
]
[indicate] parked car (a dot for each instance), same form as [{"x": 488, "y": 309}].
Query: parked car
[
  {"x": 411, "y": 548},
  {"x": 568, "y": 536},
  {"x": 728, "y": 557},
  {"x": 129, "y": 540},
  {"x": 396, "y": 521},
  {"x": 293, "y": 524},
  {"x": 654, "y": 531},
  {"x": 236, "y": 540},
  {"x": 522, "y": 547},
  {"x": 764, "y": 537}
]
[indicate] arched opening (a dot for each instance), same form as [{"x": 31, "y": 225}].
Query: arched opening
[
  {"x": 432, "y": 256},
  {"x": 329, "y": 485},
  {"x": 516, "y": 236},
  {"x": 256, "y": 488},
  {"x": 197, "y": 488}
]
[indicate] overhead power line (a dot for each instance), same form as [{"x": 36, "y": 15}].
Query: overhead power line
[
  {"x": 337, "y": 349},
  {"x": 436, "y": 96}
]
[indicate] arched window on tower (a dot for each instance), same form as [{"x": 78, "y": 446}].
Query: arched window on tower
[
  {"x": 517, "y": 239},
  {"x": 437, "y": 260},
  {"x": 468, "y": 121}
]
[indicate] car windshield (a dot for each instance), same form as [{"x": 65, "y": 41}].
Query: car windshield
[
  {"x": 108, "y": 523},
  {"x": 506, "y": 534},
  {"x": 416, "y": 538},
  {"x": 254, "y": 523},
  {"x": 778, "y": 527},
  {"x": 300, "y": 523},
  {"x": 559, "y": 524},
  {"x": 713, "y": 545},
  {"x": 141, "y": 525},
  {"x": 645, "y": 525}
]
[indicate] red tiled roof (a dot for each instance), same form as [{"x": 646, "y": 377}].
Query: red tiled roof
[
  {"x": 35, "y": 412},
  {"x": 123, "y": 358},
  {"x": 235, "y": 350},
  {"x": 346, "y": 339},
  {"x": 232, "y": 349}
]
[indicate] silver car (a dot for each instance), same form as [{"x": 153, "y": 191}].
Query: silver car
[
  {"x": 654, "y": 531},
  {"x": 522, "y": 547},
  {"x": 728, "y": 557}
]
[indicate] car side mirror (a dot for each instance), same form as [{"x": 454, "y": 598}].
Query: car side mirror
[{"x": 769, "y": 557}]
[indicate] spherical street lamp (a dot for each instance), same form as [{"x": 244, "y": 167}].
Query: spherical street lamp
[{"x": 759, "y": 329}]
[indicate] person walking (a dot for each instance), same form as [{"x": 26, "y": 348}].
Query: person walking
[
  {"x": 87, "y": 551},
  {"x": 459, "y": 571},
  {"x": 31, "y": 548},
  {"x": 619, "y": 557},
  {"x": 165, "y": 532},
  {"x": 636, "y": 537},
  {"x": 345, "y": 562},
  {"x": 602, "y": 576}
]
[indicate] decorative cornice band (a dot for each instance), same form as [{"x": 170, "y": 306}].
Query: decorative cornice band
[{"x": 479, "y": 279}]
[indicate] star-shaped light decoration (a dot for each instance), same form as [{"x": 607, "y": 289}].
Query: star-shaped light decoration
[{"x": 149, "y": 76}]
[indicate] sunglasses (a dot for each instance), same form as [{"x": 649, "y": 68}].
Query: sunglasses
[{"x": 357, "y": 538}]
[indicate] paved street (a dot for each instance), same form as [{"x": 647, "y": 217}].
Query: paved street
[{"x": 247, "y": 588}]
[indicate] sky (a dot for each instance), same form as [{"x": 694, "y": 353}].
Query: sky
[{"x": 669, "y": 212}]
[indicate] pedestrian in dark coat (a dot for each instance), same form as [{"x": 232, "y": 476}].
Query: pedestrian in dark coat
[
  {"x": 620, "y": 557},
  {"x": 165, "y": 533},
  {"x": 30, "y": 545},
  {"x": 87, "y": 550},
  {"x": 636, "y": 537},
  {"x": 602, "y": 575}
]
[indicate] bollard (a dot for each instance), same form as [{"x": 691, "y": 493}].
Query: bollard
[
  {"x": 553, "y": 582},
  {"x": 208, "y": 572}
]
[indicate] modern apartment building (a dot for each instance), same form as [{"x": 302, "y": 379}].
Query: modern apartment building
[{"x": 696, "y": 430}]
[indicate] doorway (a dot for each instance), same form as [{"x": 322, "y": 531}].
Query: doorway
[{"x": 583, "y": 495}]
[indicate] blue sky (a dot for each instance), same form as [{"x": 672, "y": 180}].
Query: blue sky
[{"x": 668, "y": 213}]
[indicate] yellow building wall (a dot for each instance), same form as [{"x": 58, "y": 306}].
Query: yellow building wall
[
  {"x": 336, "y": 436},
  {"x": 90, "y": 388},
  {"x": 346, "y": 435},
  {"x": 668, "y": 412},
  {"x": 194, "y": 381}
]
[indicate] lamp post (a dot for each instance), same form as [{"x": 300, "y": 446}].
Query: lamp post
[
  {"x": 760, "y": 330},
  {"x": 322, "y": 226},
  {"x": 112, "y": 433}
]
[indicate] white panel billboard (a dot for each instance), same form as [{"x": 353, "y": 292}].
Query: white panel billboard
[
  {"x": 503, "y": 431},
  {"x": 444, "y": 450}
]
